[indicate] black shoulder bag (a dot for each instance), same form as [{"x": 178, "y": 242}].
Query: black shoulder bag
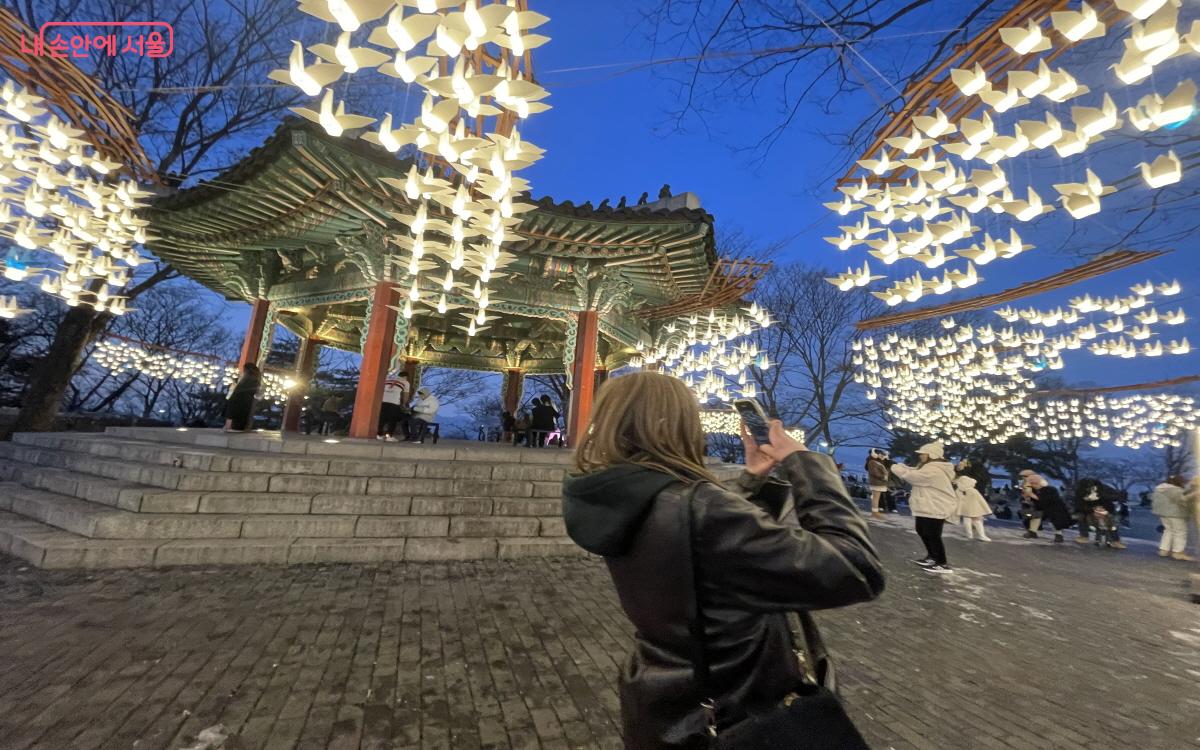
[{"x": 811, "y": 717}]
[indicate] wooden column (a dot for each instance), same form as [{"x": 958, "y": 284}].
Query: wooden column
[
  {"x": 583, "y": 375},
  {"x": 306, "y": 360},
  {"x": 412, "y": 366},
  {"x": 514, "y": 385},
  {"x": 376, "y": 355},
  {"x": 252, "y": 342}
]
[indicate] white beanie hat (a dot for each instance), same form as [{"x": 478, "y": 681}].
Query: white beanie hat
[{"x": 934, "y": 450}]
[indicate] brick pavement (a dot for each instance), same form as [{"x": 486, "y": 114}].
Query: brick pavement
[{"x": 1021, "y": 648}]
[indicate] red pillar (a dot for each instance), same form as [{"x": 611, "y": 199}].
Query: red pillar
[
  {"x": 512, "y": 393},
  {"x": 252, "y": 342},
  {"x": 583, "y": 374},
  {"x": 376, "y": 355},
  {"x": 306, "y": 360},
  {"x": 412, "y": 366}
]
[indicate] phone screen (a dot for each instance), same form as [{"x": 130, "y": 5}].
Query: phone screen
[{"x": 755, "y": 420}]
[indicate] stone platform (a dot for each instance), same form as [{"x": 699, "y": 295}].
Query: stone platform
[{"x": 136, "y": 497}]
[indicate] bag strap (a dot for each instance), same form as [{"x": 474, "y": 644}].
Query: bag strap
[{"x": 696, "y": 620}]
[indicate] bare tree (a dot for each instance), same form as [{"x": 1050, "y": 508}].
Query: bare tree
[
  {"x": 190, "y": 107},
  {"x": 793, "y": 53},
  {"x": 169, "y": 316},
  {"x": 1179, "y": 461},
  {"x": 810, "y": 378},
  {"x": 457, "y": 387},
  {"x": 1141, "y": 469}
]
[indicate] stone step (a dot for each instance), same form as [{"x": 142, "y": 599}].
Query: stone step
[
  {"x": 99, "y": 490},
  {"x": 76, "y": 474},
  {"x": 293, "y": 445},
  {"x": 152, "y": 499},
  {"x": 428, "y": 518},
  {"x": 112, "y": 454},
  {"x": 48, "y": 547}
]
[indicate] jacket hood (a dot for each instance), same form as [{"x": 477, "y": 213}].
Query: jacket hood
[{"x": 604, "y": 510}]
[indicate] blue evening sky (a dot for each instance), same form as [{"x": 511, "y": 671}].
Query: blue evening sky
[{"x": 610, "y": 133}]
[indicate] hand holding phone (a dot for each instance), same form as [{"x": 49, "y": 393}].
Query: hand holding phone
[{"x": 755, "y": 419}]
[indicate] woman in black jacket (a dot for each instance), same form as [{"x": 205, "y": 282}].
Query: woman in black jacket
[
  {"x": 1046, "y": 504},
  {"x": 762, "y": 548},
  {"x": 544, "y": 419},
  {"x": 239, "y": 407}
]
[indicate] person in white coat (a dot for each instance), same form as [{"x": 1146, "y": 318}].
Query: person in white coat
[
  {"x": 933, "y": 501},
  {"x": 972, "y": 508},
  {"x": 424, "y": 411},
  {"x": 1173, "y": 506}
]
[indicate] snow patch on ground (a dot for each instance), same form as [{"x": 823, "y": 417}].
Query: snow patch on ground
[{"x": 212, "y": 738}]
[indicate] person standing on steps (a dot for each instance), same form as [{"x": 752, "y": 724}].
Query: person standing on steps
[
  {"x": 972, "y": 508},
  {"x": 239, "y": 404},
  {"x": 708, "y": 572},
  {"x": 933, "y": 501},
  {"x": 544, "y": 420},
  {"x": 877, "y": 479},
  {"x": 1046, "y": 503},
  {"x": 391, "y": 411},
  {"x": 1173, "y": 506}
]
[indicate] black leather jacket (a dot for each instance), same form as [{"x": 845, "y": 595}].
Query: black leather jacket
[{"x": 760, "y": 554}]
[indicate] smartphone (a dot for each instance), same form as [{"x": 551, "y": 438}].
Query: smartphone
[{"x": 754, "y": 418}]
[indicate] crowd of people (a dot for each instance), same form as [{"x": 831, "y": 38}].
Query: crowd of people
[
  {"x": 535, "y": 425},
  {"x": 941, "y": 492},
  {"x": 401, "y": 416}
]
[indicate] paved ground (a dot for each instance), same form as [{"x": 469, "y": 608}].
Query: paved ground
[{"x": 1023, "y": 647}]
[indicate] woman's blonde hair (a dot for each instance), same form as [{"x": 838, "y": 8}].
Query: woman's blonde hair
[{"x": 648, "y": 419}]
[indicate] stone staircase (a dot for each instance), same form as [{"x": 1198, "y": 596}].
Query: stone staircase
[{"x": 139, "y": 497}]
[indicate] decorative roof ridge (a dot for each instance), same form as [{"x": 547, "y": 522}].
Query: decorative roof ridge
[
  {"x": 587, "y": 211},
  {"x": 261, "y": 155}
]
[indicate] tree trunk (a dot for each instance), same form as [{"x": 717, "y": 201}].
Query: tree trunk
[{"x": 49, "y": 379}]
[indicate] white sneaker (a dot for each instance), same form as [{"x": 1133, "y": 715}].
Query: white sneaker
[
  {"x": 380, "y": 437},
  {"x": 938, "y": 569},
  {"x": 390, "y": 439},
  {"x": 985, "y": 539}
]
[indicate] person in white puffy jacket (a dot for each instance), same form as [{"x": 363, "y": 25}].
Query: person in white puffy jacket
[
  {"x": 933, "y": 501},
  {"x": 972, "y": 508}
]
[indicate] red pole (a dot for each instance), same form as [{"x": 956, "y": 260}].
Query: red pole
[
  {"x": 512, "y": 394},
  {"x": 252, "y": 342},
  {"x": 376, "y": 355},
  {"x": 306, "y": 358},
  {"x": 412, "y": 366},
  {"x": 583, "y": 374}
]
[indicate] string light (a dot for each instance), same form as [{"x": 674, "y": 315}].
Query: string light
[
  {"x": 61, "y": 200},
  {"x": 460, "y": 221},
  {"x": 703, "y": 350},
  {"x": 934, "y": 137},
  {"x": 727, "y": 422},
  {"x": 122, "y": 356}
]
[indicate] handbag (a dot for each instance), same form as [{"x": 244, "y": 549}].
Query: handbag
[{"x": 811, "y": 717}]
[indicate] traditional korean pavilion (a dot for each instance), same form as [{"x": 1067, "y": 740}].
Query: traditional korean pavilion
[{"x": 300, "y": 229}]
